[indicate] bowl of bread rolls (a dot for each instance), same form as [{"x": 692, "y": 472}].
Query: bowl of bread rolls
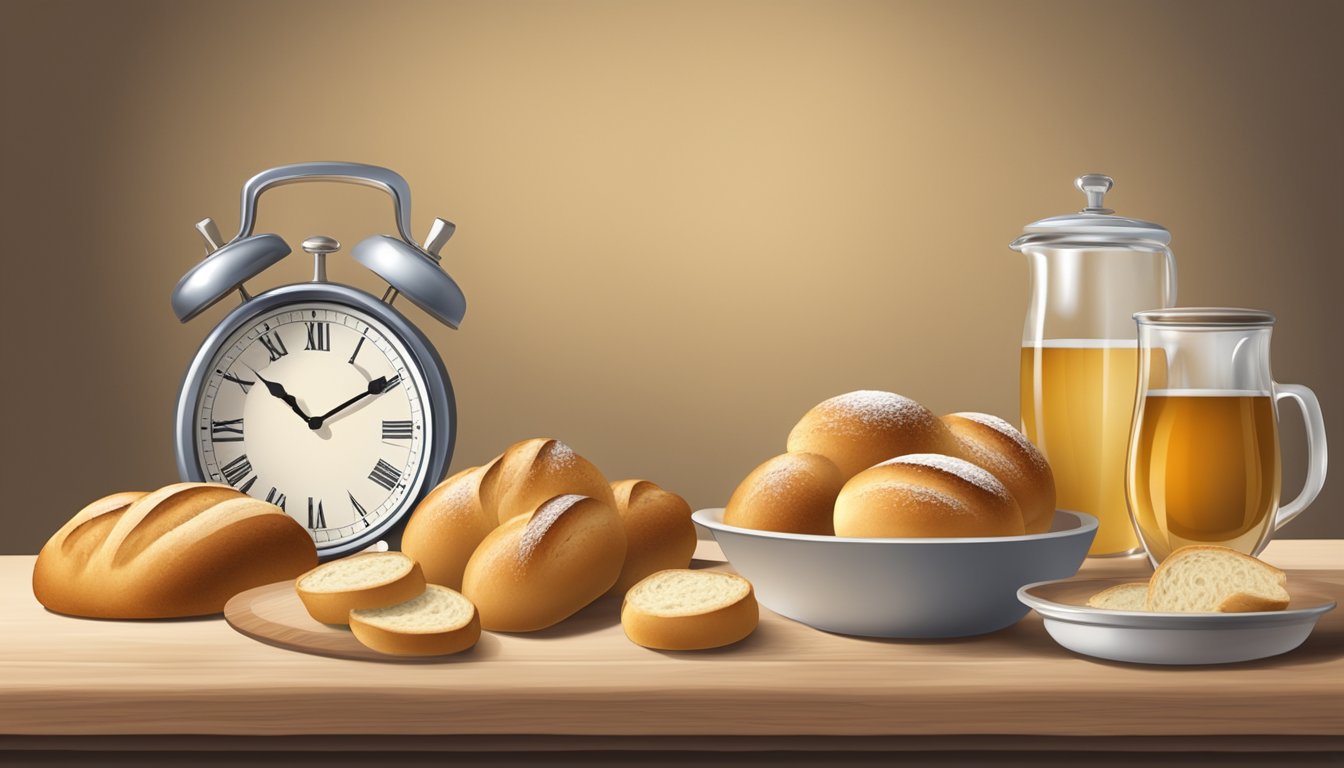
[{"x": 883, "y": 519}]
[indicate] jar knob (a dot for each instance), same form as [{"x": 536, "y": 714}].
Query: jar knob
[{"x": 1095, "y": 186}]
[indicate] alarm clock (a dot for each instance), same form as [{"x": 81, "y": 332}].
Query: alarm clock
[{"x": 319, "y": 397}]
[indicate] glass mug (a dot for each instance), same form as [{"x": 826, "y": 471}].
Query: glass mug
[{"x": 1203, "y": 463}]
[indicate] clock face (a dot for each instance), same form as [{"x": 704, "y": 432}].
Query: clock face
[{"x": 319, "y": 409}]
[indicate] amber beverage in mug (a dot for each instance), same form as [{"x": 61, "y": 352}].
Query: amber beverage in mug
[{"x": 1203, "y": 463}]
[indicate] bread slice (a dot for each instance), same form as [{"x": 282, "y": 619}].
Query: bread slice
[
  {"x": 1209, "y": 579},
  {"x": 1121, "y": 597},
  {"x": 685, "y": 610},
  {"x": 436, "y": 622},
  {"x": 370, "y": 580}
]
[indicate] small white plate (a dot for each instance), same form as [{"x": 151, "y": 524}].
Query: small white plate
[{"x": 1174, "y": 638}]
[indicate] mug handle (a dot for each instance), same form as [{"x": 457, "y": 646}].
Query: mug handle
[{"x": 1311, "y": 414}]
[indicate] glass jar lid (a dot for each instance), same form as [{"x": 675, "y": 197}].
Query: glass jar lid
[
  {"x": 1206, "y": 317},
  {"x": 1095, "y": 224}
]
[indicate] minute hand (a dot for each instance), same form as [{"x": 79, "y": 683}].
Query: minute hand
[{"x": 376, "y": 387}]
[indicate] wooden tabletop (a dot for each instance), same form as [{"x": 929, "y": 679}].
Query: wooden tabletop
[{"x": 64, "y": 677}]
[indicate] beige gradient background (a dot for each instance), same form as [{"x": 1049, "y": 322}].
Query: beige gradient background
[{"x": 680, "y": 223}]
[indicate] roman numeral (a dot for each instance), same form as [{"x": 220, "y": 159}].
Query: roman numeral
[
  {"x": 319, "y": 337},
  {"x": 358, "y": 344},
  {"x": 276, "y": 498},
  {"x": 316, "y": 518},
  {"x": 397, "y": 430},
  {"x": 359, "y": 509},
  {"x": 245, "y": 487},
  {"x": 275, "y": 346},
  {"x": 227, "y": 431},
  {"x": 385, "y": 475},
  {"x": 236, "y": 470},
  {"x": 244, "y": 383}
]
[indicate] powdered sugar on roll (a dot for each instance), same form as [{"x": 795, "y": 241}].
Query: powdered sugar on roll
[
  {"x": 967, "y": 471},
  {"x": 872, "y": 408},
  {"x": 1008, "y": 430}
]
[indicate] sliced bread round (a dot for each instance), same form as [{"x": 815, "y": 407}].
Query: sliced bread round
[
  {"x": 437, "y": 622},
  {"x": 1121, "y": 597},
  {"x": 1209, "y": 579},
  {"x": 685, "y": 610},
  {"x": 370, "y": 580}
]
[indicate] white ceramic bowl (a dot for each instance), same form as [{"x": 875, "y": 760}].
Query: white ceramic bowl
[{"x": 912, "y": 588}]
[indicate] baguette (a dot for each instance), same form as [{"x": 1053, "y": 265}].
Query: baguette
[
  {"x": 685, "y": 610},
  {"x": 436, "y": 622},
  {"x": 369, "y": 580},
  {"x": 182, "y": 550}
]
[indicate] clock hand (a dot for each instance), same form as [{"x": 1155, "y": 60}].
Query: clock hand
[
  {"x": 277, "y": 390},
  {"x": 376, "y": 387}
]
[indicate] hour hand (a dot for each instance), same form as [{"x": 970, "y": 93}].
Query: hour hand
[{"x": 277, "y": 390}]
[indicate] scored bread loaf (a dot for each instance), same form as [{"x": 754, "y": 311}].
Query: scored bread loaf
[
  {"x": 1121, "y": 597},
  {"x": 685, "y": 610},
  {"x": 369, "y": 580},
  {"x": 447, "y": 525},
  {"x": 533, "y": 471},
  {"x": 926, "y": 495},
  {"x": 1207, "y": 579},
  {"x": 858, "y": 430},
  {"x": 659, "y": 533},
  {"x": 789, "y": 493},
  {"x": 993, "y": 444},
  {"x": 182, "y": 550},
  {"x": 538, "y": 569},
  {"x": 436, "y": 622}
]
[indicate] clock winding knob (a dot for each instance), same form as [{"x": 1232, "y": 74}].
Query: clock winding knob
[{"x": 320, "y": 246}]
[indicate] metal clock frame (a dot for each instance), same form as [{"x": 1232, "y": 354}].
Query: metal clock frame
[{"x": 434, "y": 382}]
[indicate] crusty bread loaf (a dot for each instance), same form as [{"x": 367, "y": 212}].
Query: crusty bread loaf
[
  {"x": 860, "y": 429},
  {"x": 436, "y": 622},
  {"x": 537, "y": 569},
  {"x": 1121, "y": 597},
  {"x": 790, "y": 493},
  {"x": 447, "y": 525},
  {"x": 369, "y": 580},
  {"x": 926, "y": 495},
  {"x": 684, "y": 610},
  {"x": 1204, "y": 578},
  {"x": 533, "y": 471},
  {"x": 182, "y": 550},
  {"x": 994, "y": 444},
  {"x": 659, "y": 533}
]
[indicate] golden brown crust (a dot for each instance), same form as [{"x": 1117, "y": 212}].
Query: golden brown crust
[
  {"x": 994, "y": 444},
  {"x": 858, "y": 430},
  {"x": 926, "y": 496},
  {"x": 532, "y": 471},
  {"x": 397, "y": 643},
  {"x": 447, "y": 526},
  {"x": 715, "y": 629},
  {"x": 1239, "y": 602},
  {"x": 183, "y": 550},
  {"x": 659, "y": 533},
  {"x": 789, "y": 493},
  {"x": 538, "y": 569},
  {"x": 335, "y": 607}
]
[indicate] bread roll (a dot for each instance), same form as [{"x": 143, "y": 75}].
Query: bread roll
[
  {"x": 447, "y": 525},
  {"x": 790, "y": 493},
  {"x": 659, "y": 533},
  {"x": 993, "y": 444},
  {"x": 860, "y": 429},
  {"x": 436, "y": 622},
  {"x": 182, "y": 550},
  {"x": 684, "y": 610},
  {"x": 369, "y": 580},
  {"x": 533, "y": 471},
  {"x": 536, "y": 570},
  {"x": 926, "y": 495},
  {"x": 1203, "y": 578}
]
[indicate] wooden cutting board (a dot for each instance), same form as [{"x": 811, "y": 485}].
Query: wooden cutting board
[{"x": 274, "y": 615}]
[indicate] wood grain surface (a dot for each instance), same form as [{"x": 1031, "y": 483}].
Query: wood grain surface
[{"x": 66, "y": 676}]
